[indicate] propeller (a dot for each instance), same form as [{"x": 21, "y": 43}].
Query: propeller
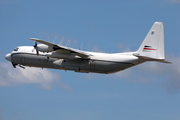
[{"x": 35, "y": 47}]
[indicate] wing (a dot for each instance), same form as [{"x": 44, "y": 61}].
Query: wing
[{"x": 63, "y": 49}]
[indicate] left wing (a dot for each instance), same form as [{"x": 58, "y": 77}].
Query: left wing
[{"x": 59, "y": 48}]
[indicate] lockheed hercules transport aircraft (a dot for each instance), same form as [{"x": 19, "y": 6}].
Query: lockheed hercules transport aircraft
[{"x": 50, "y": 55}]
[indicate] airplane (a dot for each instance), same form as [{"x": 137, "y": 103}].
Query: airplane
[{"x": 54, "y": 56}]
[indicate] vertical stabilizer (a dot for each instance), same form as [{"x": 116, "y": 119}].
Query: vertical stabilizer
[{"x": 153, "y": 44}]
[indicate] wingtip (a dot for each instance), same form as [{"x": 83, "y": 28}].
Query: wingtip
[{"x": 34, "y": 39}]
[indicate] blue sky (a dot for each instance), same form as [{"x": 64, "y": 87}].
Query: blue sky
[{"x": 148, "y": 91}]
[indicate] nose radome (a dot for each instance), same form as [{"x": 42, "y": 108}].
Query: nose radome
[{"x": 8, "y": 57}]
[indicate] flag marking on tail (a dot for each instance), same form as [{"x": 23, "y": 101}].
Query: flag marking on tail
[{"x": 148, "y": 48}]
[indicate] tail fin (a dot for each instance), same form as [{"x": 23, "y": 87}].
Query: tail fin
[{"x": 153, "y": 44}]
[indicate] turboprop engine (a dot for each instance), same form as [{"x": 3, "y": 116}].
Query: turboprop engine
[{"x": 44, "y": 48}]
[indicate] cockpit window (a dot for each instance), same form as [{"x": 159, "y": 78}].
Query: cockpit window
[{"x": 16, "y": 49}]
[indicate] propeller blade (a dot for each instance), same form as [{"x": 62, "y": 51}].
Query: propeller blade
[
  {"x": 35, "y": 44},
  {"x": 37, "y": 52},
  {"x": 35, "y": 47}
]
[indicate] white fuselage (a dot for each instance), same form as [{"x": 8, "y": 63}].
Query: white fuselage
[
  {"x": 61, "y": 57},
  {"x": 97, "y": 62}
]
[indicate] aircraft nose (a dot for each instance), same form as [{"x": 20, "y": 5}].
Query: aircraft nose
[{"x": 8, "y": 57}]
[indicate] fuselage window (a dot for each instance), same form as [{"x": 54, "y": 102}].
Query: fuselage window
[{"x": 16, "y": 49}]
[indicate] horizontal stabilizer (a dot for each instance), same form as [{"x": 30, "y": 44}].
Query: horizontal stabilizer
[{"x": 151, "y": 59}]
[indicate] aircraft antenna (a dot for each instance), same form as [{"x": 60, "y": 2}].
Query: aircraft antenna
[
  {"x": 68, "y": 42},
  {"x": 61, "y": 41},
  {"x": 54, "y": 39}
]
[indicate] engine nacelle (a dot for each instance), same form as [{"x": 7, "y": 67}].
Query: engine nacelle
[{"x": 44, "y": 48}]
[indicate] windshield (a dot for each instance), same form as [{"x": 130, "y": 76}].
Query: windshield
[{"x": 16, "y": 49}]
